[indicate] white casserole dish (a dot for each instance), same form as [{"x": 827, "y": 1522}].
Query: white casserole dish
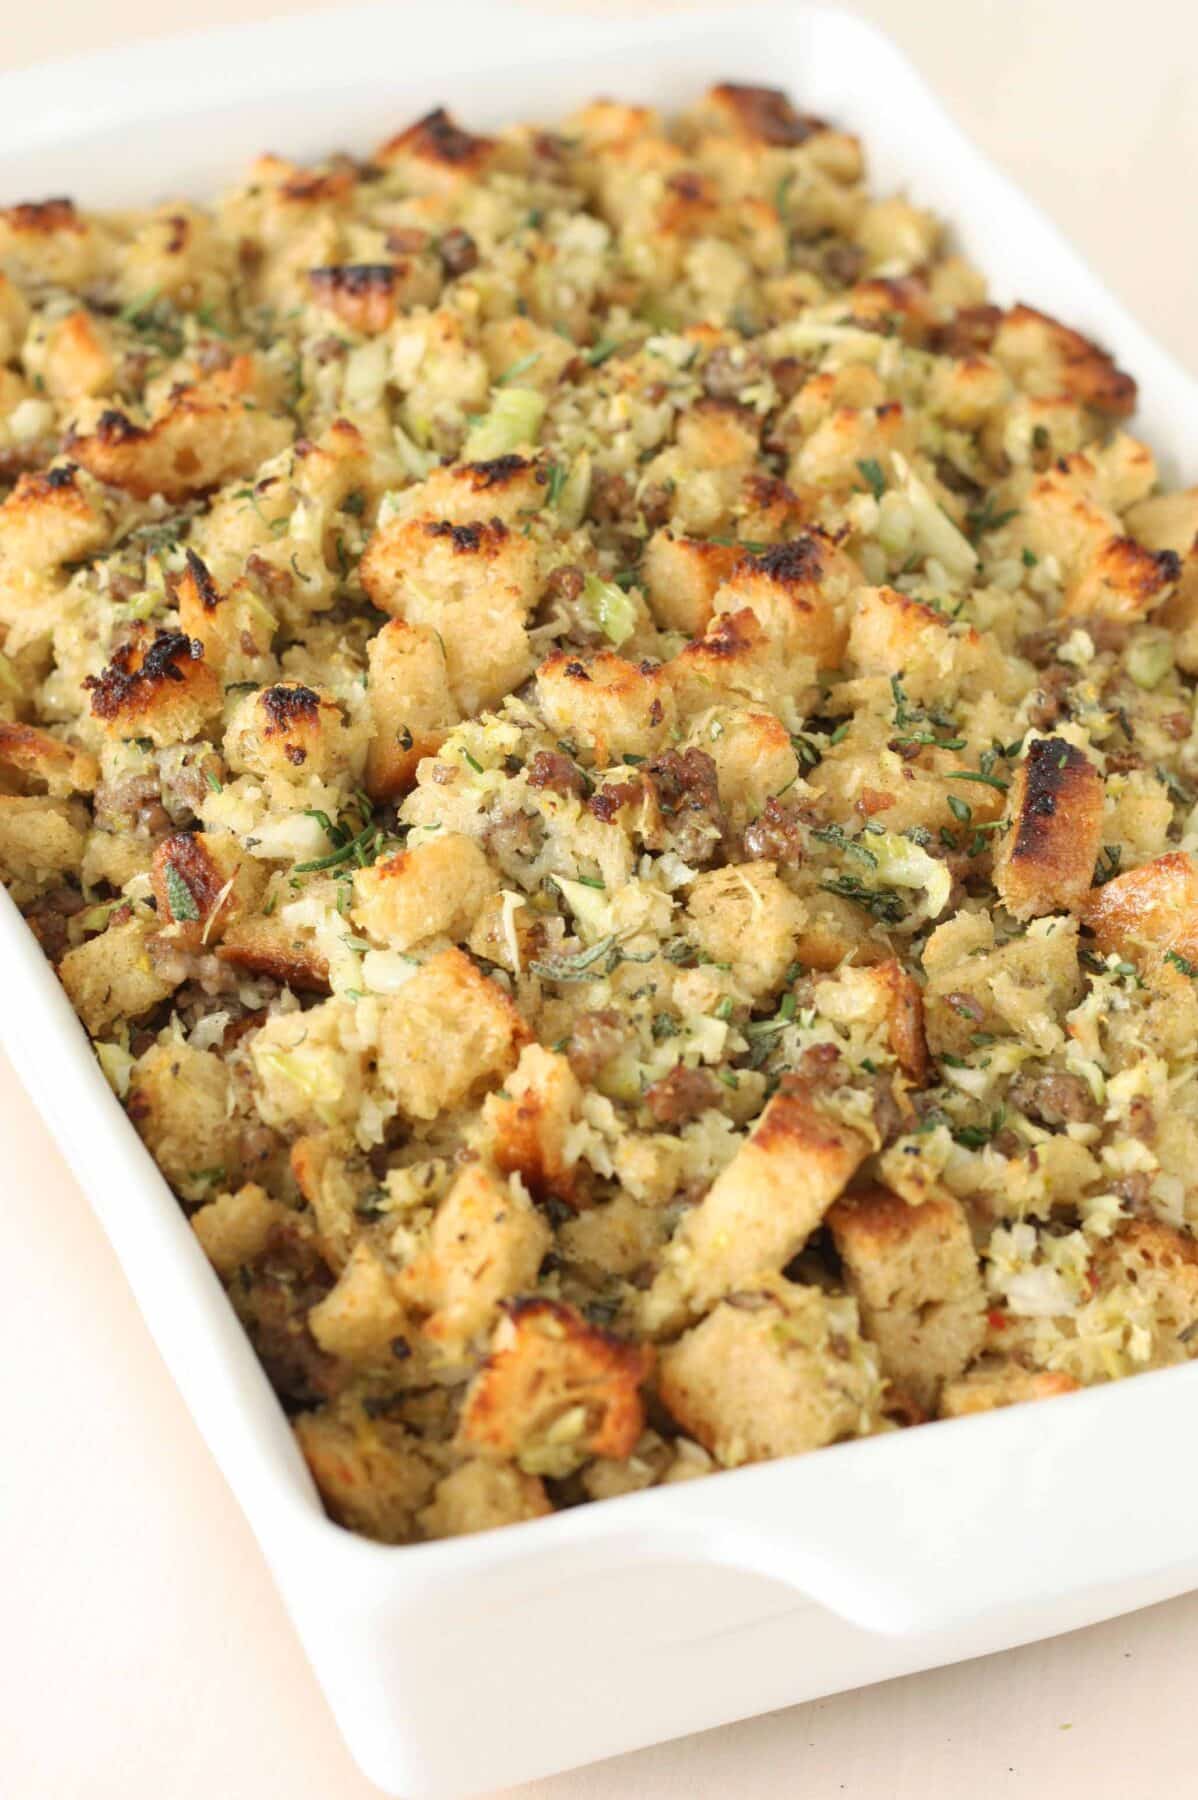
[{"x": 480, "y": 1662}]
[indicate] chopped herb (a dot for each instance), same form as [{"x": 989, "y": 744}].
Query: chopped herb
[
  {"x": 984, "y": 518},
  {"x": 179, "y": 896},
  {"x": 579, "y": 966},
  {"x": 836, "y": 834},
  {"x": 974, "y": 1137},
  {"x": 557, "y": 481},
  {"x": 873, "y": 476},
  {"x": 979, "y": 776},
  {"x": 729, "y": 1079},
  {"x": 664, "y": 1027},
  {"x": 599, "y": 352},
  {"x": 960, "y": 809},
  {"x": 518, "y": 368},
  {"x": 472, "y": 760},
  {"x": 1109, "y": 859},
  {"x": 884, "y": 903},
  {"x": 724, "y": 1009},
  {"x": 1181, "y": 962},
  {"x": 1030, "y": 559},
  {"x": 592, "y": 881},
  {"x": 212, "y": 781}
]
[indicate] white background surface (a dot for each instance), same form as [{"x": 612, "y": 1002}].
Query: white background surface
[{"x": 143, "y": 1652}]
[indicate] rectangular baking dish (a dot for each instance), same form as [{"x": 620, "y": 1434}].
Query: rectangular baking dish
[{"x": 479, "y": 1662}]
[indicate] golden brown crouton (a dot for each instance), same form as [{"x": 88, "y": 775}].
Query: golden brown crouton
[
  {"x": 203, "y": 882},
  {"x": 745, "y": 915},
  {"x": 607, "y": 705},
  {"x": 1018, "y": 988},
  {"x": 288, "y": 730},
  {"x": 681, "y": 576},
  {"x": 486, "y": 1243},
  {"x": 798, "y": 591},
  {"x": 235, "y": 1228},
  {"x": 1046, "y": 357},
  {"x": 760, "y": 115},
  {"x": 40, "y": 839},
  {"x": 507, "y": 488},
  {"x": 51, "y": 240},
  {"x": 50, "y": 519},
  {"x": 881, "y": 997},
  {"x": 236, "y": 628},
  {"x": 361, "y": 1316},
  {"x": 554, "y": 1391},
  {"x": 473, "y": 584},
  {"x": 1151, "y": 909},
  {"x": 1123, "y": 581},
  {"x": 112, "y": 977},
  {"x": 1000, "y": 1382},
  {"x": 1160, "y": 1265},
  {"x": 760, "y": 1210},
  {"x": 75, "y": 358},
  {"x": 434, "y": 890},
  {"x": 263, "y": 944},
  {"x": 436, "y": 155},
  {"x": 36, "y": 757},
  {"x": 368, "y": 296},
  {"x": 447, "y": 1031},
  {"x": 180, "y": 1100},
  {"x": 528, "y": 1122},
  {"x": 480, "y": 1495},
  {"x": 156, "y": 686},
  {"x": 775, "y": 1370},
  {"x": 737, "y": 658},
  {"x": 914, "y": 1272},
  {"x": 1046, "y": 861},
  {"x": 207, "y": 434},
  {"x": 372, "y": 1475},
  {"x": 411, "y": 705}
]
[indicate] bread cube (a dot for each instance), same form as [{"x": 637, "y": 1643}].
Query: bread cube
[
  {"x": 157, "y": 686},
  {"x": 914, "y": 1272},
  {"x": 181, "y": 1101},
  {"x": 360, "y": 1317},
  {"x": 737, "y": 659},
  {"x": 34, "y": 756},
  {"x": 203, "y": 882},
  {"x": 112, "y": 977},
  {"x": 368, "y": 297},
  {"x": 555, "y": 1391},
  {"x": 235, "y": 1228},
  {"x": 435, "y": 890},
  {"x": 753, "y": 755},
  {"x": 236, "y": 629},
  {"x": 798, "y": 591},
  {"x": 1000, "y": 1381},
  {"x": 1046, "y": 357},
  {"x": 508, "y": 488},
  {"x": 447, "y": 1031},
  {"x": 528, "y": 1123},
  {"x": 775, "y": 1370},
  {"x": 264, "y": 944},
  {"x": 435, "y": 155},
  {"x": 372, "y": 1475},
  {"x": 411, "y": 705},
  {"x": 289, "y": 731},
  {"x": 479, "y": 1496},
  {"x": 761, "y": 1209},
  {"x": 486, "y": 1244},
  {"x": 608, "y": 706},
  {"x": 51, "y": 518},
  {"x": 1150, "y": 911},
  {"x": 745, "y": 915},
  {"x": 681, "y": 576},
  {"x": 1156, "y": 1267},
  {"x": 474, "y": 584},
  {"x": 1022, "y": 987},
  {"x": 1045, "y": 863}
]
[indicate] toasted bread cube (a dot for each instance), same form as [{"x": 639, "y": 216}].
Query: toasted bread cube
[
  {"x": 776, "y": 1370},
  {"x": 181, "y": 1102},
  {"x": 481, "y": 1495},
  {"x": 435, "y": 155},
  {"x": 607, "y": 705},
  {"x": 555, "y": 1391},
  {"x": 542, "y": 356},
  {"x": 447, "y": 1031},
  {"x": 895, "y": 234},
  {"x": 368, "y": 297},
  {"x": 681, "y": 576},
  {"x": 1152, "y": 909},
  {"x": 1001, "y": 1382},
  {"x": 914, "y": 1272},
  {"x": 891, "y": 634},
  {"x": 529, "y": 1122},
  {"x": 50, "y": 519},
  {"x": 291, "y": 731},
  {"x": 753, "y": 755},
  {"x": 1166, "y": 521},
  {"x": 1046, "y": 357},
  {"x": 335, "y": 1186},
  {"x": 1160, "y": 1267},
  {"x": 49, "y": 239},
  {"x": 112, "y": 977},
  {"x": 761, "y": 1209},
  {"x": 372, "y": 1475},
  {"x": 36, "y": 756},
  {"x": 236, "y": 629},
  {"x": 507, "y": 488},
  {"x": 41, "y": 840},
  {"x": 736, "y": 658},
  {"x": 411, "y": 705},
  {"x": 203, "y": 882},
  {"x": 1045, "y": 864},
  {"x": 1123, "y": 581},
  {"x": 159, "y": 687},
  {"x": 747, "y": 916},
  {"x": 830, "y": 457},
  {"x": 798, "y": 591},
  {"x": 486, "y": 1244},
  {"x": 73, "y": 356},
  {"x": 360, "y": 1317},
  {"x": 1022, "y": 987},
  {"x": 436, "y": 890},
  {"x": 264, "y": 944},
  {"x": 208, "y": 433},
  {"x": 882, "y": 997},
  {"x": 235, "y": 1228},
  {"x": 474, "y": 584}
]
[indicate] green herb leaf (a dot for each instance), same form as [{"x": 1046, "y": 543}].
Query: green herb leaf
[
  {"x": 179, "y": 896},
  {"x": 873, "y": 475}
]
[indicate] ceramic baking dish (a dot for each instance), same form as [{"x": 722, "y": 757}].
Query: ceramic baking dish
[{"x": 474, "y": 1663}]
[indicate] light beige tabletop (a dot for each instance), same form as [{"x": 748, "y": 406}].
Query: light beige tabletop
[{"x": 144, "y": 1654}]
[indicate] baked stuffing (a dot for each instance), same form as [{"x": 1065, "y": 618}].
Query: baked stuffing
[{"x": 605, "y": 748}]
